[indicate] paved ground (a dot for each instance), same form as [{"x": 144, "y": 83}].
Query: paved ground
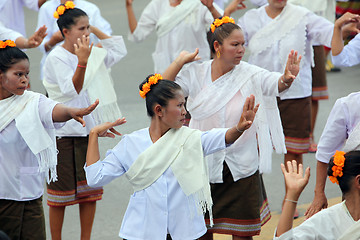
[{"x": 127, "y": 75}]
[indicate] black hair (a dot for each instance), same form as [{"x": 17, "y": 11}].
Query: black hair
[
  {"x": 221, "y": 33},
  {"x": 10, "y": 56},
  {"x": 350, "y": 170},
  {"x": 159, "y": 93},
  {"x": 69, "y": 18}
]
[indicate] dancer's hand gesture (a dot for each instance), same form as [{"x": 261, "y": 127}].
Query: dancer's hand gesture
[
  {"x": 248, "y": 114},
  {"x": 36, "y": 39},
  {"x": 83, "y": 49},
  {"x": 107, "y": 129},
  {"x": 295, "y": 180},
  {"x": 292, "y": 67}
]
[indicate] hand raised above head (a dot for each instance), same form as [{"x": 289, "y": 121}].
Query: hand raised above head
[
  {"x": 186, "y": 57},
  {"x": 295, "y": 180}
]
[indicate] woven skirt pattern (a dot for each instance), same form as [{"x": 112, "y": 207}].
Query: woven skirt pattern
[
  {"x": 241, "y": 207},
  {"x": 295, "y": 118},
  {"x": 319, "y": 84},
  {"x": 71, "y": 187}
]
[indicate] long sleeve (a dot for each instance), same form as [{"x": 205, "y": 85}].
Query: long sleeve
[
  {"x": 350, "y": 55},
  {"x": 334, "y": 134},
  {"x": 116, "y": 50},
  {"x": 320, "y": 30}
]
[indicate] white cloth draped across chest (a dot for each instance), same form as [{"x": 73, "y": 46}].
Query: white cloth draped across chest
[
  {"x": 59, "y": 70},
  {"x": 220, "y": 103},
  {"x": 27, "y": 145},
  {"x": 188, "y": 34},
  {"x": 271, "y": 40},
  {"x": 328, "y": 224},
  {"x": 162, "y": 207}
]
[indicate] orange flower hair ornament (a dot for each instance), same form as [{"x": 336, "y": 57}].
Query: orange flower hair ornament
[
  {"x": 7, "y": 43},
  {"x": 218, "y": 22},
  {"x": 339, "y": 160},
  {"x": 147, "y": 86},
  {"x": 60, "y": 10}
]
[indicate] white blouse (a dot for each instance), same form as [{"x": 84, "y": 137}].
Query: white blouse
[
  {"x": 59, "y": 69},
  {"x": 350, "y": 55},
  {"x": 162, "y": 207},
  {"x": 46, "y": 18},
  {"x": 318, "y": 30},
  {"x": 20, "y": 179},
  {"x": 328, "y": 224},
  {"x": 343, "y": 118},
  {"x": 7, "y": 33},
  {"x": 242, "y": 157},
  {"x": 188, "y": 35}
]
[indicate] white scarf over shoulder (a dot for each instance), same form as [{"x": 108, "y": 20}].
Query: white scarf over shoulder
[
  {"x": 288, "y": 29},
  {"x": 171, "y": 19},
  {"x": 24, "y": 109},
  {"x": 99, "y": 85},
  {"x": 267, "y": 121},
  {"x": 181, "y": 150}
]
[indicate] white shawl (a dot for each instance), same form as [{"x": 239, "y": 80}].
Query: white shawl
[
  {"x": 99, "y": 85},
  {"x": 353, "y": 141},
  {"x": 25, "y": 110},
  {"x": 171, "y": 19},
  {"x": 288, "y": 29},
  {"x": 244, "y": 77},
  {"x": 181, "y": 150}
]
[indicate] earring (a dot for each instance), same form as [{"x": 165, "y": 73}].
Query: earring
[{"x": 218, "y": 54}]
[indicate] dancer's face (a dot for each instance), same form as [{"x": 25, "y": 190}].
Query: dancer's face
[
  {"x": 173, "y": 115},
  {"x": 278, "y": 4},
  {"x": 79, "y": 29},
  {"x": 15, "y": 80},
  {"x": 232, "y": 50}
]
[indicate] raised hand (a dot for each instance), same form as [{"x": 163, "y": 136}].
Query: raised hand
[
  {"x": 234, "y": 6},
  {"x": 207, "y": 3},
  {"x": 102, "y": 130},
  {"x": 129, "y": 2},
  {"x": 248, "y": 114},
  {"x": 36, "y": 39},
  {"x": 186, "y": 57},
  {"x": 347, "y": 18},
  {"x": 83, "y": 49},
  {"x": 292, "y": 67},
  {"x": 295, "y": 180}
]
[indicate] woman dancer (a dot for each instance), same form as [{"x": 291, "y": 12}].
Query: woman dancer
[
  {"x": 75, "y": 73},
  {"x": 27, "y": 145},
  {"x": 214, "y": 88},
  {"x": 164, "y": 163}
]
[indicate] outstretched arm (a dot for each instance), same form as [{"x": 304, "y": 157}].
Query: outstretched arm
[
  {"x": 291, "y": 71},
  {"x": 337, "y": 43},
  {"x": 63, "y": 113},
  {"x": 295, "y": 183},
  {"x": 175, "y": 67},
  {"x": 103, "y": 130},
  {"x": 212, "y": 9},
  {"x": 245, "y": 122}
]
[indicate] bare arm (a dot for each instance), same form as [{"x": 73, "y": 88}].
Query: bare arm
[
  {"x": 82, "y": 51},
  {"x": 295, "y": 183},
  {"x": 55, "y": 39},
  {"x": 33, "y": 41},
  {"x": 337, "y": 43},
  {"x": 93, "y": 155},
  {"x": 245, "y": 122},
  {"x": 175, "y": 67},
  {"x": 98, "y": 33},
  {"x": 63, "y": 113},
  {"x": 320, "y": 200},
  {"x": 234, "y": 6},
  {"x": 131, "y": 15},
  {"x": 291, "y": 71},
  {"x": 212, "y": 9}
]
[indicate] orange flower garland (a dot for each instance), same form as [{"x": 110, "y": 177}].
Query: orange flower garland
[
  {"x": 218, "y": 22},
  {"x": 337, "y": 169},
  {"x": 7, "y": 43},
  {"x": 147, "y": 86},
  {"x": 60, "y": 10}
]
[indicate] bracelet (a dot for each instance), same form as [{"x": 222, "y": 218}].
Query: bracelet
[
  {"x": 240, "y": 131},
  {"x": 283, "y": 82},
  {"x": 81, "y": 66},
  {"x": 289, "y": 200}
]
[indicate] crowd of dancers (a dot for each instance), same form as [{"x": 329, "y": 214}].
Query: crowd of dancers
[{"x": 189, "y": 181}]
